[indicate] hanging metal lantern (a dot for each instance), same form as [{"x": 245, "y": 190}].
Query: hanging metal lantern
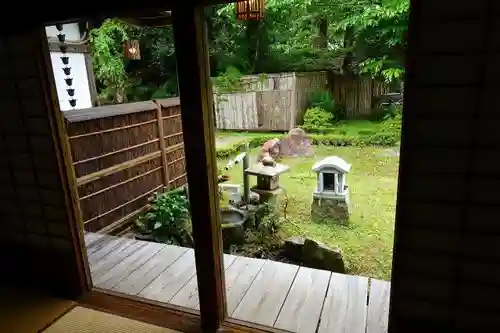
[
  {"x": 249, "y": 10},
  {"x": 131, "y": 50}
]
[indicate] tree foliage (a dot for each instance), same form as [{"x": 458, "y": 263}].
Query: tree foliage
[{"x": 358, "y": 36}]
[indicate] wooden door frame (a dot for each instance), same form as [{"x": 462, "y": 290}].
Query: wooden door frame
[
  {"x": 198, "y": 121},
  {"x": 193, "y": 72},
  {"x": 199, "y": 139},
  {"x": 127, "y": 306}
]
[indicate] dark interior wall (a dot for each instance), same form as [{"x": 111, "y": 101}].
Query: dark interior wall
[
  {"x": 447, "y": 261},
  {"x": 35, "y": 239}
]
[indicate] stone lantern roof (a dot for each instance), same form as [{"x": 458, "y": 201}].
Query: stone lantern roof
[{"x": 332, "y": 162}]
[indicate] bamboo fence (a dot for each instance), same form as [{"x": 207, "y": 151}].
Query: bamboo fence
[{"x": 122, "y": 155}]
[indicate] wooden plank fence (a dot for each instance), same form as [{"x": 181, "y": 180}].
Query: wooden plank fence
[
  {"x": 271, "y": 104},
  {"x": 357, "y": 93},
  {"x": 278, "y": 102},
  {"x": 123, "y": 154}
]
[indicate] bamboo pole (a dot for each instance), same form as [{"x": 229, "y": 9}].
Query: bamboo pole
[
  {"x": 246, "y": 181},
  {"x": 123, "y": 205},
  {"x": 161, "y": 135},
  {"x": 110, "y": 130},
  {"x": 116, "y": 168},
  {"x": 119, "y": 184},
  {"x": 116, "y": 152}
]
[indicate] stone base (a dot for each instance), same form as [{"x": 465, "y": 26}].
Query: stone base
[
  {"x": 267, "y": 182},
  {"x": 330, "y": 209},
  {"x": 267, "y": 196}
]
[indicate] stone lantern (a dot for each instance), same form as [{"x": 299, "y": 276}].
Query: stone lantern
[
  {"x": 331, "y": 196},
  {"x": 267, "y": 180}
]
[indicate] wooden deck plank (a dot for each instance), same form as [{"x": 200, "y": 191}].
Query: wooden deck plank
[
  {"x": 263, "y": 300},
  {"x": 260, "y": 291},
  {"x": 302, "y": 308},
  {"x": 92, "y": 237},
  {"x": 136, "y": 259},
  {"x": 95, "y": 239},
  {"x": 171, "y": 280},
  {"x": 144, "y": 275},
  {"x": 114, "y": 258},
  {"x": 239, "y": 276},
  {"x": 94, "y": 246},
  {"x": 89, "y": 237},
  {"x": 188, "y": 296},
  {"x": 103, "y": 248},
  {"x": 344, "y": 310},
  {"x": 378, "y": 306}
]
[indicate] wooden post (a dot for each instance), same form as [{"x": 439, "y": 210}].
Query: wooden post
[
  {"x": 199, "y": 141},
  {"x": 163, "y": 148},
  {"x": 293, "y": 113},
  {"x": 246, "y": 180}
]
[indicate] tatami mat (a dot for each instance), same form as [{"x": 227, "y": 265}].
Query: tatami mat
[
  {"x": 23, "y": 311},
  {"x": 83, "y": 320}
]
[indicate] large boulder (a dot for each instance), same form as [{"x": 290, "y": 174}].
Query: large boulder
[
  {"x": 314, "y": 254},
  {"x": 293, "y": 247},
  {"x": 295, "y": 144},
  {"x": 318, "y": 255}
]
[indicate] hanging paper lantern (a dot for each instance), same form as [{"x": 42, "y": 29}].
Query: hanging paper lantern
[
  {"x": 131, "y": 50},
  {"x": 248, "y": 10}
]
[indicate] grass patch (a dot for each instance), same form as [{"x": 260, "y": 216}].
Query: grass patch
[{"x": 368, "y": 240}]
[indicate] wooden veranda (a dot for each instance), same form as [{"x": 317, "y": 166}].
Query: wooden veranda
[{"x": 266, "y": 292}]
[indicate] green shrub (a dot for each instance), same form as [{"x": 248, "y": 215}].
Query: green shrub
[
  {"x": 323, "y": 99},
  {"x": 317, "y": 117},
  {"x": 334, "y": 140},
  {"x": 323, "y": 130},
  {"x": 366, "y": 132},
  {"x": 253, "y": 142},
  {"x": 390, "y": 132},
  {"x": 168, "y": 219},
  {"x": 385, "y": 112}
]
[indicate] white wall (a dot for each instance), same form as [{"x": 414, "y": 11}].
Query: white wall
[
  {"x": 78, "y": 71},
  {"x": 80, "y": 81},
  {"x": 71, "y": 30}
]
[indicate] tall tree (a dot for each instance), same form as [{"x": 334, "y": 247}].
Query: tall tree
[{"x": 354, "y": 36}]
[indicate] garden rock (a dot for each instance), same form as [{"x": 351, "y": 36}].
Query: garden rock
[
  {"x": 295, "y": 144},
  {"x": 314, "y": 254},
  {"x": 318, "y": 255},
  {"x": 293, "y": 247}
]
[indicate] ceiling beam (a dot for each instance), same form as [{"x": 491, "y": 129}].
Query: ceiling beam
[{"x": 155, "y": 19}]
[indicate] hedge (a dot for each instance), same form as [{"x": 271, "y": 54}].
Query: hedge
[
  {"x": 255, "y": 141},
  {"x": 382, "y": 138}
]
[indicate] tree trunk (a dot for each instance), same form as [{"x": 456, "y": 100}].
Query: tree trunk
[
  {"x": 320, "y": 41},
  {"x": 209, "y": 13},
  {"x": 348, "y": 44},
  {"x": 252, "y": 35}
]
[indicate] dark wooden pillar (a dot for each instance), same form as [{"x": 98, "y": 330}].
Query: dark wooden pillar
[
  {"x": 199, "y": 141},
  {"x": 38, "y": 211}
]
